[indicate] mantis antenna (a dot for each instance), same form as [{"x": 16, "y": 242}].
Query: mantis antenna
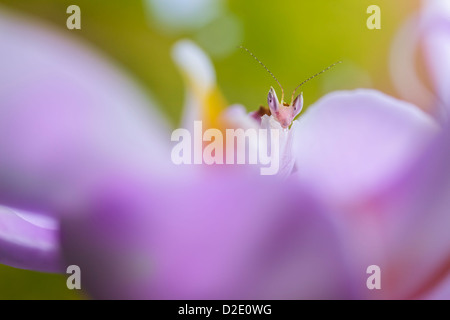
[
  {"x": 310, "y": 78},
  {"x": 282, "y": 91}
]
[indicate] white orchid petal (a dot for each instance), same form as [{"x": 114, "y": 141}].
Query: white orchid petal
[{"x": 195, "y": 65}]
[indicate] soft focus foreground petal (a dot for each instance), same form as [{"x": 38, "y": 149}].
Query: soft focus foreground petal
[
  {"x": 38, "y": 219},
  {"x": 442, "y": 292},
  {"x": 66, "y": 117},
  {"x": 203, "y": 99},
  {"x": 393, "y": 171},
  {"x": 351, "y": 143},
  {"x": 220, "y": 237},
  {"x": 436, "y": 46},
  {"x": 403, "y": 67},
  {"x": 26, "y": 245},
  {"x": 414, "y": 215}
]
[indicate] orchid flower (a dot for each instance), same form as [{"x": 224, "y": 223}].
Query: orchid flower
[{"x": 365, "y": 181}]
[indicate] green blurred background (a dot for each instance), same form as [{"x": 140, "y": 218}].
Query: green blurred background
[{"x": 295, "y": 39}]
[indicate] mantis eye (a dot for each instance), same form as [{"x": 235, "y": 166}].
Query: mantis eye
[
  {"x": 272, "y": 100},
  {"x": 297, "y": 105}
]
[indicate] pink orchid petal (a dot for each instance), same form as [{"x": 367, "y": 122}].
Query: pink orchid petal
[
  {"x": 350, "y": 144},
  {"x": 402, "y": 65},
  {"x": 442, "y": 292},
  {"x": 66, "y": 118},
  {"x": 39, "y": 220},
  {"x": 27, "y": 246},
  {"x": 382, "y": 161},
  {"x": 415, "y": 220},
  {"x": 223, "y": 236},
  {"x": 436, "y": 46}
]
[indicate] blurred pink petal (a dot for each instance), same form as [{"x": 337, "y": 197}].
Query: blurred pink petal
[
  {"x": 350, "y": 144},
  {"x": 442, "y": 292},
  {"x": 66, "y": 118},
  {"x": 415, "y": 219},
  {"x": 26, "y": 245},
  {"x": 218, "y": 237},
  {"x": 384, "y": 164},
  {"x": 436, "y": 46},
  {"x": 403, "y": 67}
]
